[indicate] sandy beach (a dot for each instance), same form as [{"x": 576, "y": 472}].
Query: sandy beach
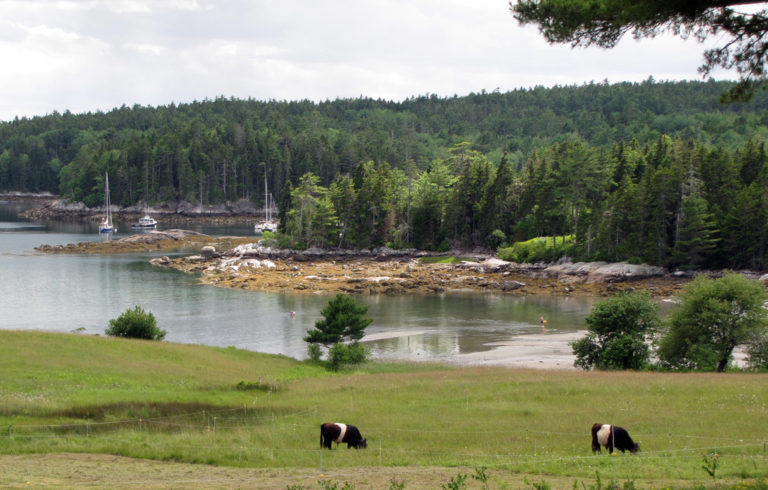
[{"x": 538, "y": 351}]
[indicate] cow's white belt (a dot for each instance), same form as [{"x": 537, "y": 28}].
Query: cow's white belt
[{"x": 343, "y": 432}]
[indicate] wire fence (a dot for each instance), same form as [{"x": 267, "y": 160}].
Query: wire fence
[{"x": 390, "y": 447}]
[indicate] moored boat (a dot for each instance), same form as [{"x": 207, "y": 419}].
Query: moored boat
[
  {"x": 106, "y": 225},
  {"x": 146, "y": 222},
  {"x": 269, "y": 223}
]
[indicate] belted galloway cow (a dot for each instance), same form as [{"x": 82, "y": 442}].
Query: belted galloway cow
[
  {"x": 339, "y": 433},
  {"x": 611, "y": 436}
]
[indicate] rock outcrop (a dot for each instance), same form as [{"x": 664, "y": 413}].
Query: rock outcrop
[
  {"x": 591, "y": 272},
  {"x": 386, "y": 271}
]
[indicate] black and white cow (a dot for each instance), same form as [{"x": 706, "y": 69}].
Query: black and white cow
[
  {"x": 338, "y": 433},
  {"x": 611, "y": 436}
]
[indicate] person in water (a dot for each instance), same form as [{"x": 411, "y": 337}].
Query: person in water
[{"x": 543, "y": 322}]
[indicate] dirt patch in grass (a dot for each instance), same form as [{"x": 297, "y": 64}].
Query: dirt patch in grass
[{"x": 69, "y": 470}]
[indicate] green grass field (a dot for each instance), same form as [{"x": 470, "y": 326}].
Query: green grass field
[{"x": 68, "y": 393}]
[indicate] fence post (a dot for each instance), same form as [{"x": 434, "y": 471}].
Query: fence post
[
  {"x": 379, "y": 452},
  {"x": 613, "y": 453},
  {"x": 321, "y": 460}
]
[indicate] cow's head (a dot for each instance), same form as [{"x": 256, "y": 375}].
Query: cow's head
[{"x": 363, "y": 443}]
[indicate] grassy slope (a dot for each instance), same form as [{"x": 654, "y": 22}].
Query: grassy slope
[{"x": 535, "y": 422}]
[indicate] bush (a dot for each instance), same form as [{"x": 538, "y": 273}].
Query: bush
[
  {"x": 497, "y": 238},
  {"x": 715, "y": 316},
  {"x": 341, "y": 354},
  {"x": 314, "y": 352},
  {"x": 757, "y": 352},
  {"x": 444, "y": 246},
  {"x": 618, "y": 328},
  {"x": 135, "y": 323},
  {"x": 541, "y": 249}
]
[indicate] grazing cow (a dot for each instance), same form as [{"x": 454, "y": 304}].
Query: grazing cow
[
  {"x": 611, "y": 436},
  {"x": 338, "y": 433}
]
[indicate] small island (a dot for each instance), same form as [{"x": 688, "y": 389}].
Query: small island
[{"x": 244, "y": 263}]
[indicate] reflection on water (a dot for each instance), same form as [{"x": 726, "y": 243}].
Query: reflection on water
[
  {"x": 68, "y": 292},
  {"x": 459, "y": 323}
]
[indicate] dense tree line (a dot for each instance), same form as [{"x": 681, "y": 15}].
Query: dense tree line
[
  {"x": 674, "y": 202},
  {"x": 654, "y": 172},
  {"x": 217, "y": 150}
]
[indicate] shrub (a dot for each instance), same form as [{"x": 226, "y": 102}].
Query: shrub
[
  {"x": 618, "y": 328},
  {"x": 541, "y": 249},
  {"x": 135, "y": 323},
  {"x": 314, "y": 352},
  {"x": 715, "y": 316},
  {"x": 757, "y": 352},
  {"x": 341, "y": 354},
  {"x": 497, "y": 238}
]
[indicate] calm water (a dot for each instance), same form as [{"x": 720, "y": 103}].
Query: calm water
[{"x": 69, "y": 292}]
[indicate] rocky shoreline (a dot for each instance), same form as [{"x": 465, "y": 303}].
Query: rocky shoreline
[
  {"x": 173, "y": 240},
  {"x": 239, "y": 262},
  {"x": 181, "y": 212},
  {"x": 252, "y": 266}
]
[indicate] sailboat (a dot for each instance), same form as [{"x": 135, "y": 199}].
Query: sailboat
[
  {"x": 269, "y": 223},
  {"x": 106, "y": 225}
]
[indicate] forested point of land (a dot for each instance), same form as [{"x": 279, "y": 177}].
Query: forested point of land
[{"x": 655, "y": 172}]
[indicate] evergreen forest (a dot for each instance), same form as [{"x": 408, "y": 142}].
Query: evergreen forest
[{"x": 654, "y": 172}]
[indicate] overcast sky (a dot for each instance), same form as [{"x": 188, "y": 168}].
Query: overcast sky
[{"x": 88, "y": 55}]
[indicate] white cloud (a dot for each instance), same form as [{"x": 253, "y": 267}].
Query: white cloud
[
  {"x": 150, "y": 49},
  {"x": 98, "y": 54}
]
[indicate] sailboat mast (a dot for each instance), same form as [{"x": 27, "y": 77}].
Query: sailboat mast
[
  {"x": 106, "y": 191},
  {"x": 267, "y": 204}
]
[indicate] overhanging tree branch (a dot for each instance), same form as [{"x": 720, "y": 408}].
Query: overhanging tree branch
[{"x": 603, "y": 23}]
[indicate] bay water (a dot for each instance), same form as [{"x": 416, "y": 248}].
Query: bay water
[{"x": 81, "y": 293}]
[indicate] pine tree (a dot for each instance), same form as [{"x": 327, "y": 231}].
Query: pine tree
[{"x": 343, "y": 321}]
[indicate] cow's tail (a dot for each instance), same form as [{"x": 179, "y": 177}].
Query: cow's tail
[{"x": 321, "y": 436}]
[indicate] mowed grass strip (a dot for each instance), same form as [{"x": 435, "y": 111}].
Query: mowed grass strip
[{"x": 163, "y": 401}]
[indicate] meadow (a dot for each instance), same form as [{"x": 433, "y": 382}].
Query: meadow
[{"x": 229, "y": 408}]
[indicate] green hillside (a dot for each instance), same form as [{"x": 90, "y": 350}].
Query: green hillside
[{"x": 650, "y": 172}]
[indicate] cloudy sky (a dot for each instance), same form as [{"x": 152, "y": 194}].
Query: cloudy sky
[{"x": 88, "y": 55}]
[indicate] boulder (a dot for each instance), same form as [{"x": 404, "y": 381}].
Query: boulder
[
  {"x": 512, "y": 285},
  {"x": 603, "y": 271}
]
